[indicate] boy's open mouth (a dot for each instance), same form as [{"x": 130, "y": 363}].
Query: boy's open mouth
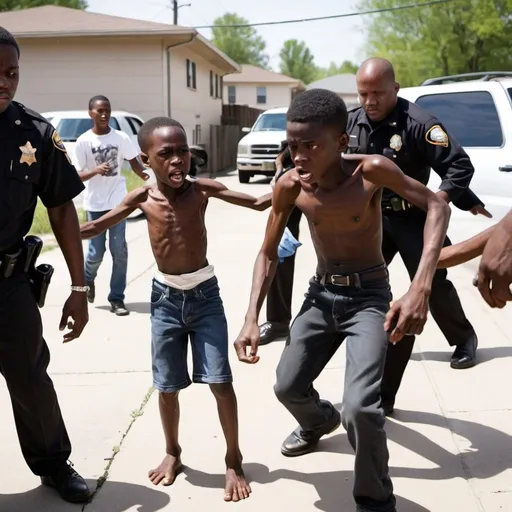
[
  {"x": 304, "y": 175},
  {"x": 176, "y": 176}
]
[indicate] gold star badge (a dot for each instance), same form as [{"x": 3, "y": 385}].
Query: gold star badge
[{"x": 28, "y": 154}]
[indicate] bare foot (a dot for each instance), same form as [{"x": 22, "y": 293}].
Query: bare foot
[
  {"x": 236, "y": 486},
  {"x": 167, "y": 472}
]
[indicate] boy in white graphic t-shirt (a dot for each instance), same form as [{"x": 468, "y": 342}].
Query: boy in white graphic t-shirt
[{"x": 99, "y": 156}]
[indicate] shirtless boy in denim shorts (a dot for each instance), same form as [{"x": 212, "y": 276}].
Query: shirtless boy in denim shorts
[{"x": 185, "y": 298}]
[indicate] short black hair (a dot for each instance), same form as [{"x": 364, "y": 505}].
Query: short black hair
[
  {"x": 153, "y": 124},
  {"x": 95, "y": 99},
  {"x": 318, "y": 106},
  {"x": 7, "y": 39}
]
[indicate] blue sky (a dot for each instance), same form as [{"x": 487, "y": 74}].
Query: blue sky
[{"x": 329, "y": 40}]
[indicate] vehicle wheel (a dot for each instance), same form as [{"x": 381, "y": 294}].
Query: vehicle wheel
[{"x": 244, "y": 177}]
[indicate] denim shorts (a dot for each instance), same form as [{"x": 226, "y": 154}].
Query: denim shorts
[{"x": 180, "y": 315}]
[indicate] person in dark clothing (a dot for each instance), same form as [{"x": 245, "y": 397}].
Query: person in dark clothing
[{"x": 34, "y": 164}]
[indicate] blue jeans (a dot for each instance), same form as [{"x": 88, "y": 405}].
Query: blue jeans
[
  {"x": 180, "y": 315},
  {"x": 119, "y": 252}
]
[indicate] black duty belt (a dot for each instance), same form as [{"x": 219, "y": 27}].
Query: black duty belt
[
  {"x": 395, "y": 204},
  {"x": 12, "y": 262},
  {"x": 356, "y": 279}
]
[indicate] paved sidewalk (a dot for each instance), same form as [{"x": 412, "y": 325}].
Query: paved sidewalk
[{"x": 449, "y": 440}]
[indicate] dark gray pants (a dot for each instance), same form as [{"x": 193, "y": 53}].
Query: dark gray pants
[{"x": 329, "y": 315}]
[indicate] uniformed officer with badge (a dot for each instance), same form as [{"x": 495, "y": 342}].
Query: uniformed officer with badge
[
  {"x": 34, "y": 163},
  {"x": 416, "y": 141}
]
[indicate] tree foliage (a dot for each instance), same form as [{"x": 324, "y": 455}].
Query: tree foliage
[
  {"x": 13, "y": 5},
  {"x": 346, "y": 67},
  {"x": 460, "y": 36},
  {"x": 243, "y": 44},
  {"x": 297, "y": 61}
]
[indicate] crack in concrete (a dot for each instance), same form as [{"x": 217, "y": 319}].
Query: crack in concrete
[{"x": 137, "y": 413}]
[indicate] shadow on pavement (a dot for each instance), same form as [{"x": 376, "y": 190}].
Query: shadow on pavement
[
  {"x": 484, "y": 355},
  {"x": 142, "y": 308},
  {"x": 124, "y": 497}
]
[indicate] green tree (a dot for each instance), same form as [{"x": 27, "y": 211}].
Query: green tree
[
  {"x": 460, "y": 36},
  {"x": 297, "y": 61},
  {"x": 346, "y": 67},
  {"x": 13, "y": 5},
  {"x": 242, "y": 44}
]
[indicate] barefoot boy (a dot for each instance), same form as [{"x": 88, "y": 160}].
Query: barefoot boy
[
  {"x": 185, "y": 299},
  {"x": 348, "y": 297}
]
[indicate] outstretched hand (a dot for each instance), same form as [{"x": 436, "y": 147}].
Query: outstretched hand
[
  {"x": 249, "y": 338},
  {"x": 407, "y": 316},
  {"x": 76, "y": 309}
]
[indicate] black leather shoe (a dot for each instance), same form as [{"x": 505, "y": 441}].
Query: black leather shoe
[
  {"x": 465, "y": 355},
  {"x": 300, "y": 442},
  {"x": 91, "y": 294},
  {"x": 271, "y": 331},
  {"x": 68, "y": 483},
  {"x": 118, "y": 307}
]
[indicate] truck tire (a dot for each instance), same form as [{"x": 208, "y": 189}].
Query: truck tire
[{"x": 244, "y": 177}]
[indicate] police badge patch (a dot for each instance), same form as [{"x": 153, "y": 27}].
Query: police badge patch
[
  {"x": 396, "y": 142},
  {"x": 57, "y": 142},
  {"x": 437, "y": 136}
]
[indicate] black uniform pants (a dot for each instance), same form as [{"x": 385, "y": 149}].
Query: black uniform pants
[
  {"x": 279, "y": 298},
  {"x": 403, "y": 234},
  {"x": 24, "y": 358}
]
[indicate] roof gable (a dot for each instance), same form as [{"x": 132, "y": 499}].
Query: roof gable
[{"x": 254, "y": 74}]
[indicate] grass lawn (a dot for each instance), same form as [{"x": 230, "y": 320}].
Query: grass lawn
[{"x": 41, "y": 224}]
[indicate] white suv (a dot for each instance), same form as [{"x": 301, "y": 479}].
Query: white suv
[
  {"x": 70, "y": 124},
  {"x": 257, "y": 151},
  {"x": 476, "y": 110}
]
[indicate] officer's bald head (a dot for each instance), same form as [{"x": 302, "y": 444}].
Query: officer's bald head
[{"x": 377, "y": 88}]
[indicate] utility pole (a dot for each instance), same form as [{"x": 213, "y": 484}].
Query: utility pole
[{"x": 175, "y": 7}]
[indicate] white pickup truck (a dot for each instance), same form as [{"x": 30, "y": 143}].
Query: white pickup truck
[{"x": 476, "y": 110}]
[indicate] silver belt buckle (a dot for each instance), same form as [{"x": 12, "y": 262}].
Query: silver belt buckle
[{"x": 350, "y": 280}]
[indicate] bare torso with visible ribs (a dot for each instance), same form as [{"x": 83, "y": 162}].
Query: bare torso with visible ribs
[
  {"x": 177, "y": 229},
  {"x": 345, "y": 223}
]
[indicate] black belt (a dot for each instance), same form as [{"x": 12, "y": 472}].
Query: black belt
[
  {"x": 395, "y": 204},
  {"x": 12, "y": 262},
  {"x": 356, "y": 279}
]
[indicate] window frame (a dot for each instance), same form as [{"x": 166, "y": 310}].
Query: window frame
[{"x": 258, "y": 96}]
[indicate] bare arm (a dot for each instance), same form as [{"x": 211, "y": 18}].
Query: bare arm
[
  {"x": 213, "y": 188},
  {"x": 130, "y": 203},
  {"x": 464, "y": 251},
  {"x": 87, "y": 174},
  {"x": 285, "y": 193},
  {"x": 138, "y": 169}
]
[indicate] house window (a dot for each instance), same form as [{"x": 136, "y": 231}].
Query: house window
[
  {"x": 221, "y": 88},
  {"x": 212, "y": 90},
  {"x": 191, "y": 75},
  {"x": 217, "y": 86},
  {"x": 261, "y": 95},
  {"x": 231, "y": 94},
  {"x": 196, "y": 135}
]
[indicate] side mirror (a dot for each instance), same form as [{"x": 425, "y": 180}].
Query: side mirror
[{"x": 245, "y": 129}]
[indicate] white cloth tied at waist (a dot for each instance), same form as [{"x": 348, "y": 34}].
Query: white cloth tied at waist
[{"x": 186, "y": 281}]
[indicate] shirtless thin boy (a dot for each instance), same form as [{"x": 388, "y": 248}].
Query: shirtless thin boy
[
  {"x": 185, "y": 299},
  {"x": 349, "y": 295}
]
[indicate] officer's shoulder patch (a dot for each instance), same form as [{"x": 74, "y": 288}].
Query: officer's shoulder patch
[
  {"x": 437, "y": 136},
  {"x": 58, "y": 144}
]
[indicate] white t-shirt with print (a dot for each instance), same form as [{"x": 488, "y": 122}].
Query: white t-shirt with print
[{"x": 104, "y": 192}]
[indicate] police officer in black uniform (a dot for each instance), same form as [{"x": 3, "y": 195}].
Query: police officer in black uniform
[
  {"x": 416, "y": 141},
  {"x": 34, "y": 163}
]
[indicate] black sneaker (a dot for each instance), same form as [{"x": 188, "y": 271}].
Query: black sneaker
[
  {"x": 68, "y": 483},
  {"x": 118, "y": 307},
  {"x": 91, "y": 294}
]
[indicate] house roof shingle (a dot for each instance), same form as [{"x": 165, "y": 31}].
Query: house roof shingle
[{"x": 254, "y": 74}]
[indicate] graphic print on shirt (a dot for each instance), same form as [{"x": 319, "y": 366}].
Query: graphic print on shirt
[{"x": 107, "y": 154}]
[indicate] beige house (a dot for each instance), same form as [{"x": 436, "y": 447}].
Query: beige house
[
  {"x": 344, "y": 85},
  {"x": 260, "y": 88},
  {"x": 149, "y": 69}
]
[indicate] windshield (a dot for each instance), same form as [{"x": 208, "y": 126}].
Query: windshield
[
  {"x": 270, "y": 123},
  {"x": 70, "y": 129}
]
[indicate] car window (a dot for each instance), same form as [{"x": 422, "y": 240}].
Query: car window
[
  {"x": 270, "y": 123},
  {"x": 70, "y": 129},
  {"x": 510, "y": 92},
  {"x": 470, "y": 117},
  {"x": 135, "y": 124}
]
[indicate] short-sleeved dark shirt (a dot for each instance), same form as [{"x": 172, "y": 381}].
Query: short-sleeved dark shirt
[
  {"x": 33, "y": 163},
  {"x": 416, "y": 141}
]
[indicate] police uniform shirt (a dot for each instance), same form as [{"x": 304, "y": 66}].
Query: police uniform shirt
[
  {"x": 33, "y": 163},
  {"x": 416, "y": 141}
]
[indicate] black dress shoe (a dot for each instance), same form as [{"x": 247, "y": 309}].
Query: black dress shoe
[
  {"x": 465, "y": 355},
  {"x": 68, "y": 483},
  {"x": 271, "y": 331},
  {"x": 300, "y": 442}
]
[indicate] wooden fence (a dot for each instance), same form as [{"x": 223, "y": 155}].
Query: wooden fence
[
  {"x": 222, "y": 148},
  {"x": 240, "y": 115}
]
